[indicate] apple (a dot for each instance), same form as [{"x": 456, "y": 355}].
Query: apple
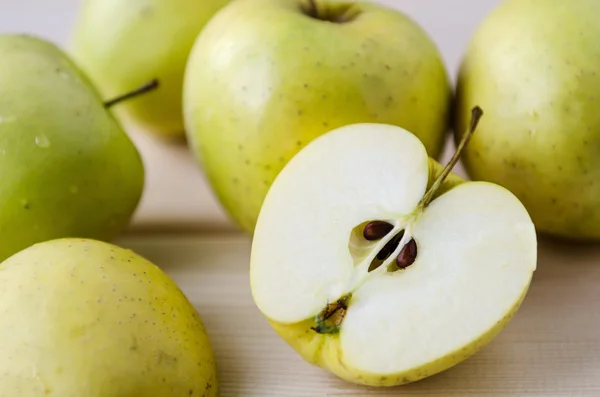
[
  {"x": 123, "y": 44},
  {"x": 380, "y": 275},
  {"x": 86, "y": 318},
  {"x": 265, "y": 77},
  {"x": 535, "y": 65},
  {"x": 68, "y": 168}
]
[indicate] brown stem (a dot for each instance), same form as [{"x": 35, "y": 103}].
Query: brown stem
[
  {"x": 145, "y": 88},
  {"x": 349, "y": 14},
  {"x": 312, "y": 10},
  {"x": 476, "y": 114}
]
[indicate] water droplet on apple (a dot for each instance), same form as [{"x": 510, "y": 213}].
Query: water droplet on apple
[
  {"x": 5, "y": 119},
  {"x": 42, "y": 141}
]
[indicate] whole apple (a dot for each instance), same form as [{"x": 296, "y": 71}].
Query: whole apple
[
  {"x": 67, "y": 167},
  {"x": 265, "y": 77},
  {"x": 534, "y": 65},
  {"x": 83, "y": 318},
  {"x": 123, "y": 44}
]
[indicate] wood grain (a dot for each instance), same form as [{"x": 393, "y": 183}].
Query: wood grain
[{"x": 550, "y": 349}]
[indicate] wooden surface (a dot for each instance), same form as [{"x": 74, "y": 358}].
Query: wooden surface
[
  {"x": 551, "y": 348},
  {"x": 177, "y": 196}
]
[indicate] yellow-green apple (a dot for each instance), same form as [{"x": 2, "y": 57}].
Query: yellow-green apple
[
  {"x": 372, "y": 270},
  {"x": 68, "y": 169},
  {"x": 123, "y": 44},
  {"x": 534, "y": 65},
  {"x": 265, "y": 77},
  {"x": 82, "y": 317}
]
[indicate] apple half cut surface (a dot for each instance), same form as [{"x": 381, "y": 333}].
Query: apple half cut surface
[{"x": 375, "y": 264}]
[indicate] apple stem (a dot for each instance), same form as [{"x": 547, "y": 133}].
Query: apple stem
[
  {"x": 146, "y": 87},
  {"x": 348, "y": 14},
  {"x": 312, "y": 10},
  {"x": 476, "y": 114}
]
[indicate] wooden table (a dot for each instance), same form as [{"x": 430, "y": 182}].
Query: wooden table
[{"x": 551, "y": 348}]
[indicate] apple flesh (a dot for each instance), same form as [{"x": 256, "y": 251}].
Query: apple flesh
[
  {"x": 460, "y": 266},
  {"x": 256, "y": 92}
]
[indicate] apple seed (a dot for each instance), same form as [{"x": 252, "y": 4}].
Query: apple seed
[
  {"x": 376, "y": 230},
  {"x": 407, "y": 254},
  {"x": 386, "y": 251}
]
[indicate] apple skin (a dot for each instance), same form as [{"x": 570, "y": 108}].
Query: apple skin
[
  {"x": 124, "y": 44},
  {"x": 255, "y": 93},
  {"x": 87, "y": 318},
  {"x": 533, "y": 66},
  {"x": 324, "y": 351},
  {"x": 68, "y": 169}
]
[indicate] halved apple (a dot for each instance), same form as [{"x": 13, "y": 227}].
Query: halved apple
[{"x": 372, "y": 263}]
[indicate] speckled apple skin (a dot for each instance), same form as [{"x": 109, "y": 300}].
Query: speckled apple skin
[
  {"x": 83, "y": 318},
  {"x": 264, "y": 79},
  {"x": 534, "y": 68}
]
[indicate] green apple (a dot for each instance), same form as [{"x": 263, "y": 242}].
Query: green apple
[
  {"x": 123, "y": 44},
  {"x": 375, "y": 272},
  {"x": 534, "y": 65},
  {"x": 84, "y": 318},
  {"x": 265, "y": 77},
  {"x": 68, "y": 169}
]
